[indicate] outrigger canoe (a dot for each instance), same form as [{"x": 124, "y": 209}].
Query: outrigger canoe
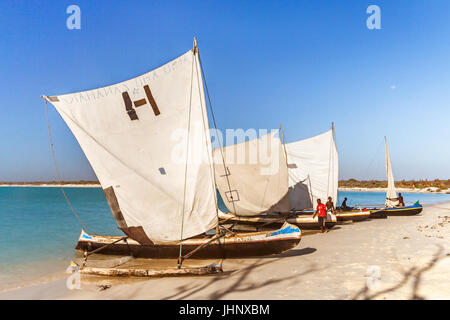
[
  {"x": 404, "y": 211},
  {"x": 272, "y": 220},
  {"x": 371, "y": 212},
  {"x": 377, "y": 214},
  {"x": 396, "y": 211},
  {"x": 352, "y": 215},
  {"x": 347, "y": 215},
  {"x": 392, "y": 207},
  {"x": 236, "y": 245},
  {"x": 311, "y": 223},
  {"x": 160, "y": 204}
]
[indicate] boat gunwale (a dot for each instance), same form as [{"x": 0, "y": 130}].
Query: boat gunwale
[
  {"x": 261, "y": 236},
  {"x": 269, "y": 220},
  {"x": 185, "y": 243},
  {"x": 405, "y": 208}
]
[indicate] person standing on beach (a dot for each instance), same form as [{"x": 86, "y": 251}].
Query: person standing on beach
[
  {"x": 330, "y": 205},
  {"x": 321, "y": 211}
]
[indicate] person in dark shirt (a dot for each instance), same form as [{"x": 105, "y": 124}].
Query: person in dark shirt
[
  {"x": 401, "y": 202},
  {"x": 344, "y": 204}
]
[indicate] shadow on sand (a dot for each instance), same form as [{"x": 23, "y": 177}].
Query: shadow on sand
[
  {"x": 292, "y": 253},
  {"x": 241, "y": 281},
  {"x": 414, "y": 273}
]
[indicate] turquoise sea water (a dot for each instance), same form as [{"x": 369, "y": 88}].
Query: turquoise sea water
[
  {"x": 378, "y": 198},
  {"x": 39, "y": 231},
  {"x": 38, "y": 227}
]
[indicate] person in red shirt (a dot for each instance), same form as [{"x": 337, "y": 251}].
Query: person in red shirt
[{"x": 321, "y": 211}]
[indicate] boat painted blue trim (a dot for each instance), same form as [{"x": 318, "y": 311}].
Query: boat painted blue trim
[
  {"x": 287, "y": 230},
  {"x": 85, "y": 236},
  {"x": 414, "y": 206}
]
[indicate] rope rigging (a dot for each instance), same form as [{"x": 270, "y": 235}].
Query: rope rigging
[
  {"x": 374, "y": 156},
  {"x": 215, "y": 128},
  {"x": 219, "y": 235},
  {"x": 207, "y": 136},
  {"x": 180, "y": 256},
  {"x": 58, "y": 174}
]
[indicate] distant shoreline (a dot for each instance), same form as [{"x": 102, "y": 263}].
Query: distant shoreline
[
  {"x": 52, "y": 184},
  {"x": 349, "y": 189}
]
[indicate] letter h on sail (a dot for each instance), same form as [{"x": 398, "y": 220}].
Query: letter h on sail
[{"x": 129, "y": 105}]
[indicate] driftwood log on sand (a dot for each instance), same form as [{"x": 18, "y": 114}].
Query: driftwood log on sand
[{"x": 168, "y": 272}]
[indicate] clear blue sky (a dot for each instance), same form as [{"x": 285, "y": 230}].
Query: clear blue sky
[{"x": 300, "y": 63}]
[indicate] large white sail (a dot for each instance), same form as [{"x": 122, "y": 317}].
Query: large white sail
[
  {"x": 313, "y": 170},
  {"x": 255, "y": 178},
  {"x": 390, "y": 192},
  {"x": 135, "y": 136}
]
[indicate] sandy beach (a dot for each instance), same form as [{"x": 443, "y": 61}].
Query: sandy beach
[{"x": 402, "y": 257}]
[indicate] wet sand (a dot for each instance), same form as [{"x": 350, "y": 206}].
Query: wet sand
[{"x": 399, "y": 257}]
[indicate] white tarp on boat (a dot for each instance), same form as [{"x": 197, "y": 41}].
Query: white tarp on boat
[
  {"x": 390, "y": 192},
  {"x": 134, "y": 134},
  {"x": 313, "y": 170},
  {"x": 256, "y": 177}
]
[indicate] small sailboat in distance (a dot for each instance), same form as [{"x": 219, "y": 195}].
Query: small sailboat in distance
[
  {"x": 148, "y": 141},
  {"x": 393, "y": 207}
]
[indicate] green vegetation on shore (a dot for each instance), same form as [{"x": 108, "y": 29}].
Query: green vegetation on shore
[
  {"x": 413, "y": 184},
  {"x": 350, "y": 183}
]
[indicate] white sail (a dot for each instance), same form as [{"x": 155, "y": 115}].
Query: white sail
[
  {"x": 390, "y": 192},
  {"x": 313, "y": 170},
  {"x": 256, "y": 178},
  {"x": 135, "y": 134}
]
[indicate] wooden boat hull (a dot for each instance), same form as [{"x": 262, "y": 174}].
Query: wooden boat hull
[
  {"x": 353, "y": 215},
  {"x": 404, "y": 211},
  {"x": 378, "y": 214},
  {"x": 231, "y": 246},
  {"x": 301, "y": 220},
  {"x": 341, "y": 216},
  {"x": 310, "y": 223},
  {"x": 374, "y": 212}
]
